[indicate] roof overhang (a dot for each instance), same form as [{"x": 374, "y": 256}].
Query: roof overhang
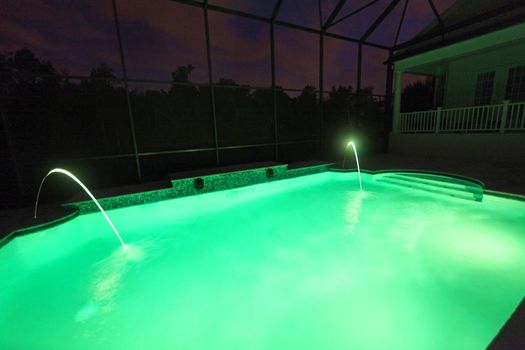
[{"x": 476, "y": 44}]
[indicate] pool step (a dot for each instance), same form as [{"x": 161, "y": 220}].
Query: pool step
[
  {"x": 436, "y": 184},
  {"x": 442, "y": 181}
]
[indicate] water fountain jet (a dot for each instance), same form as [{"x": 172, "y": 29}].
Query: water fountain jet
[
  {"x": 65, "y": 172},
  {"x": 351, "y": 143}
]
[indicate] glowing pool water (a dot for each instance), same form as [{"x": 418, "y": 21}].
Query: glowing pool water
[{"x": 305, "y": 263}]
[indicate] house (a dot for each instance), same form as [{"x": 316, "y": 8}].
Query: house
[{"x": 475, "y": 51}]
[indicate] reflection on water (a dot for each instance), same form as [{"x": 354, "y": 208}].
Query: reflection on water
[
  {"x": 323, "y": 264},
  {"x": 353, "y": 211},
  {"x": 107, "y": 279}
]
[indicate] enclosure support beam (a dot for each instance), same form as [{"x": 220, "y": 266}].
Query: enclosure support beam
[
  {"x": 436, "y": 13},
  {"x": 275, "y": 12},
  {"x": 438, "y": 17},
  {"x": 355, "y": 12},
  {"x": 379, "y": 19},
  {"x": 321, "y": 90},
  {"x": 387, "y": 128},
  {"x": 274, "y": 93},
  {"x": 359, "y": 71},
  {"x": 126, "y": 87},
  {"x": 359, "y": 65},
  {"x": 397, "y": 100},
  {"x": 401, "y": 20},
  {"x": 334, "y": 14},
  {"x": 11, "y": 151},
  {"x": 321, "y": 69},
  {"x": 210, "y": 81},
  {"x": 388, "y": 87},
  {"x": 277, "y": 22}
]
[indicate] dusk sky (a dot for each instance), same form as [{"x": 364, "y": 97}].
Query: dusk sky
[{"x": 160, "y": 35}]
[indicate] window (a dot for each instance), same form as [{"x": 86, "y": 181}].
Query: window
[
  {"x": 516, "y": 84},
  {"x": 484, "y": 87}
]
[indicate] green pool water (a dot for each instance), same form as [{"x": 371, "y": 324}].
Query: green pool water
[{"x": 305, "y": 263}]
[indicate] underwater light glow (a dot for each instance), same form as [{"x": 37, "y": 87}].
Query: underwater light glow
[{"x": 301, "y": 263}]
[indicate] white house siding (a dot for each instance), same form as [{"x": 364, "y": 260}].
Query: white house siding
[{"x": 462, "y": 73}]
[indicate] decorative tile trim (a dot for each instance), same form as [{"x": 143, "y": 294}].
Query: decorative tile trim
[
  {"x": 210, "y": 183},
  {"x": 307, "y": 170}
]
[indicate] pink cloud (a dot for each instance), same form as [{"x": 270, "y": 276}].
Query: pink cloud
[
  {"x": 297, "y": 58},
  {"x": 340, "y": 63},
  {"x": 159, "y": 35}
]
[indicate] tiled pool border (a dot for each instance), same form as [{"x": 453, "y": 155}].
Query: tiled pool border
[{"x": 185, "y": 186}]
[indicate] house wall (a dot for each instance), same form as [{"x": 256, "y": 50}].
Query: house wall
[
  {"x": 496, "y": 51},
  {"x": 463, "y": 71}
]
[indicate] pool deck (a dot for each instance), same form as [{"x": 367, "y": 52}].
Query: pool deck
[
  {"x": 497, "y": 176},
  {"x": 512, "y": 335}
]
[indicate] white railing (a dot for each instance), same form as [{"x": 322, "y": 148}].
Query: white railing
[{"x": 490, "y": 118}]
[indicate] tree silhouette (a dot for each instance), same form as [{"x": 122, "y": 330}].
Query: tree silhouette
[
  {"x": 418, "y": 96},
  {"x": 182, "y": 74},
  {"x": 341, "y": 105},
  {"x": 50, "y": 117}
]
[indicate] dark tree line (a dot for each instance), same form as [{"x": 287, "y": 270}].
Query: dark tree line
[
  {"x": 418, "y": 96},
  {"x": 48, "y": 116}
]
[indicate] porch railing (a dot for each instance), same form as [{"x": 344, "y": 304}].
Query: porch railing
[{"x": 490, "y": 118}]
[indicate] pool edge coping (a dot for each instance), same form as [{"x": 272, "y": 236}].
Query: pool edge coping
[{"x": 21, "y": 231}]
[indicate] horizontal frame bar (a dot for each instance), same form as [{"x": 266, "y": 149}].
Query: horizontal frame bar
[
  {"x": 163, "y": 82},
  {"x": 179, "y": 151}
]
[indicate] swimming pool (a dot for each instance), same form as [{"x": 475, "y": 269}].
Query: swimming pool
[{"x": 303, "y": 263}]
